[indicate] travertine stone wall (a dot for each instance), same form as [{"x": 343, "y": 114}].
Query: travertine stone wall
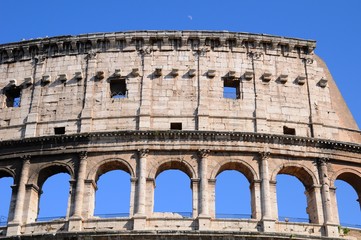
[
  {"x": 288, "y": 118},
  {"x": 282, "y": 83}
]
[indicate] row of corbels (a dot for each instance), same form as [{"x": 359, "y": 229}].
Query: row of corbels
[
  {"x": 266, "y": 77},
  {"x": 232, "y": 75},
  {"x": 78, "y": 76}
]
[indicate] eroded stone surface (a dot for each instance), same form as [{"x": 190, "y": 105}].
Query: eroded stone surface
[{"x": 146, "y": 102}]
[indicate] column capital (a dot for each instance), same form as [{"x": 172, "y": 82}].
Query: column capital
[
  {"x": 203, "y": 153},
  {"x": 143, "y": 153},
  {"x": 25, "y": 158},
  {"x": 83, "y": 155},
  {"x": 264, "y": 155},
  {"x": 322, "y": 161}
]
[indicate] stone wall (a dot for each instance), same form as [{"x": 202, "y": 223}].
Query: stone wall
[
  {"x": 170, "y": 77},
  {"x": 146, "y": 102}
]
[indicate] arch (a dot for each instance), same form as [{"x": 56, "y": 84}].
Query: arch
[
  {"x": 48, "y": 170},
  {"x": 6, "y": 172},
  {"x": 175, "y": 164},
  {"x": 302, "y": 173},
  {"x": 56, "y": 189},
  {"x": 349, "y": 175},
  {"x": 109, "y": 165},
  {"x": 113, "y": 193},
  {"x": 6, "y": 206},
  {"x": 168, "y": 198},
  {"x": 235, "y": 201},
  {"x": 239, "y": 165}
]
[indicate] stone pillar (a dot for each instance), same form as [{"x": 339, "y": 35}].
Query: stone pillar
[
  {"x": 331, "y": 229},
  {"x": 145, "y": 107},
  {"x": 204, "y": 217},
  {"x": 15, "y": 226},
  {"x": 212, "y": 197},
  {"x": 314, "y": 206},
  {"x": 70, "y": 208},
  {"x": 195, "y": 197},
  {"x": 335, "y": 218},
  {"x": 255, "y": 188},
  {"x": 140, "y": 216},
  {"x": 268, "y": 222},
  {"x": 273, "y": 192},
  {"x": 75, "y": 221},
  {"x": 90, "y": 188},
  {"x": 133, "y": 182}
]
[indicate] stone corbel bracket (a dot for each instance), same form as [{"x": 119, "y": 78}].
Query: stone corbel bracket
[
  {"x": 62, "y": 77},
  {"x": 78, "y": 76},
  {"x": 158, "y": 72},
  {"x": 28, "y": 81},
  {"x": 99, "y": 75},
  {"x": 46, "y": 79},
  {"x": 323, "y": 82}
]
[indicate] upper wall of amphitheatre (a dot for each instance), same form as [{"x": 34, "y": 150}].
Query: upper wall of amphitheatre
[{"x": 169, "y": 80}]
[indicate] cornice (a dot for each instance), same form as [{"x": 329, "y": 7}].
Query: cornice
[
  {"x": 160, "y": 136},
  {"x": 157, "y": 41}
]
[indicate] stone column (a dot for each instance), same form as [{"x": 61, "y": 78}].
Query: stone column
[
  {"x": 140, "y": 216},
  {"x": 268, "y": 222},
  {"x": 255, "y": 188},
  {"x": 204, "y": 217},
  {"x": 331, "y": 228},
  {"x": 203, "y": 155},
  {"x": 195, "y": 197},
  {"x": 15, "y": 226},
  {"x": 70, "y": 209},
  {"x": 133, "y": 182},
  {"x": 75, "y": 222},
  {"x": 212, "y": 197},
  {"x": 314, "y": 206}
]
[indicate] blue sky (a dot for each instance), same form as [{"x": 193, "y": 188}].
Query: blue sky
[{"x": 336, "y": 25}]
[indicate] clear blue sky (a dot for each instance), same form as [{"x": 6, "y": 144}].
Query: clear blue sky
[{"x": 336, "y": 25}]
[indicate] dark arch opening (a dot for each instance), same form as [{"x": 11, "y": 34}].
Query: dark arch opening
[
  {"x": 54, "y": 190},
  {"x": 173, "y": 193},
  {"x": 291, "y": 199},
  {"x": 5, "y": 197},
  {"x": 348, "y": 194},
  {"x": 112, "y": 198},
  {"x": 232, "y": 195}
]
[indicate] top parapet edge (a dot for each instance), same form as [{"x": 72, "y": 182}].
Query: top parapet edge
[
  {"x": 165, "y": 33},
  {"x": 172, "y": 34},
  {"x": 156, "y": 40}
]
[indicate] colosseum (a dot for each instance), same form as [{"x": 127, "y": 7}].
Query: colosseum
[{"x": 201, "y": 102}]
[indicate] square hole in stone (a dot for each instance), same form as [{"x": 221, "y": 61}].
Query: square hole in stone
[
  {"x": 59, "y": 130},
  {"x": 175, "y": 126},
  {"x": 289, "y": 131}
]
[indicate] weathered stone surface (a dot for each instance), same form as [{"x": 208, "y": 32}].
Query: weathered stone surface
[{"x": 146, "y": 102}]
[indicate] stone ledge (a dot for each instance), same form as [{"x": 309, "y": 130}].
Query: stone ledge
[
  {"x": 207, "y": 136},
  {"x": 166, "y": 234}
]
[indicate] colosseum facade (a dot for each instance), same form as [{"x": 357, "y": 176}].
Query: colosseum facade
[{"x": 197, "y": 101}]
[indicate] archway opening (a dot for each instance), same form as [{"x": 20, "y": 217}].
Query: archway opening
[
  {"x": 173, "y": 194},
  {"x": 291, "y": 199},
  {"x": 5, "y": 198},
  {"x": 233, "y": 196},
  {"x": 348, "y": 194},
  {"x": 112, "y": 198},
  {"x": 55, "y": 190}
]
